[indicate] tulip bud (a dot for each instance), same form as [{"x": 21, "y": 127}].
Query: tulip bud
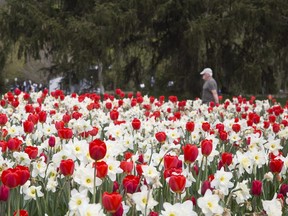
[
  {"x": 4, "y": 193},
  {"x": 206, "y": 147},
  {"x": 52, "y": 141},
  {"x": 256, "y": 188}
]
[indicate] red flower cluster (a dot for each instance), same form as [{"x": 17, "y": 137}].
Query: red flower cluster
[{"x": 14, "y": 177}]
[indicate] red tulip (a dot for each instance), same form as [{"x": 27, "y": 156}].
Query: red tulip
[
  {"x": 120, "y": 210},
  {"x": 32, "y": 151},
  {"x": 65, "y": 133},
  {"x": 21, "y": 212},
  {"x": 205, "y": 186},
  {"x": 66, "y": 118},
  {"x": 13, "y": 144},
  {"x": 29, "y": 108},
  {"x": 236, "y": 127},
  {"x": 3, "y": 119},
  {"x": 3, "y": 103},
  {"x": 133, "y": 102},
  {"x": 59, "y": 125},
  {"x": 206, "y": 147},
  {"x": 115, "y": 186},
  {"x": 190, "y": 126},
  {"x": 131, "y": 183},
  {"x": 118, "y": 91},
  {"x": 111, "y": 201},
  {"x": 284, "y": 189},
  {"x": 177, "y": 183},
  {"x": 161, "y": 137},
  {"x": 108, "y": 105},
  {"x": 223, "y": 135},
  {"x": 114, "y": 114},
  {"x": 173, "y": 98},
  {"x": 67, "y": 167},
  {"x": 206, "y": 126},
  {"x": 153, "y": 213},
  {"x": 33, "y": 118},
  {"x": 97, "y": 149},
  {"x": 276, "y": 165},
  {"x": 42, "y": 116},
  {"x": 266, "y": 124},
  {"x": 227, "y": 158},
  {"x": 220, "y": 127},
  {"x": 23, "y": 173},
  {"x": 4, "y": 193},
  {"x": 272, "y": 118},
  {"x": 276, "y": 128},
  {"x": 190, "y": 153},
  {"x": 52, "y": 141},
  {"x": 102, "y": 169},
  {"x": 170, "y": 161},
  {"x": 17, "y": 91},
  {"x": 94, "y": 131},
  {"x": 28, "y": 126},
  {"x": 136, "y": 124},
  {"x": 169, "y": 172},
  {"x": 3, "y": 145},
  {"x": 126, "y": 166},
  {"x": 256, "y": 188},
  {"x": 76, "y": 115},
  {"x": 10, "y": 178}
]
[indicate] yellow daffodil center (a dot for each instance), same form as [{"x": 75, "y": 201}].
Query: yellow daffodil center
[{"x": 144, "y": 200}]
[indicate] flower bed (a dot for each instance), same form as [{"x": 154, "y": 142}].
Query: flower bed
[{"x": 138, "y": 155}]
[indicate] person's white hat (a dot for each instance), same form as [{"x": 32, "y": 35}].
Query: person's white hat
[{"x": 207, "y": 70}]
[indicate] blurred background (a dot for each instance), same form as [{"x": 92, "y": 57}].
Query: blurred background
[{"x": 156, "y": 46}]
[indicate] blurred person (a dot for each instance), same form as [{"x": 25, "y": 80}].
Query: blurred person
[{"x": 209, "y": 91}]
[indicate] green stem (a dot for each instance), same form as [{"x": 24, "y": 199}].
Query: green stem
[
  {"x": 206, "y": 170},
  {"x": 9, "y": 206},
  {"x": 146, "y": 206},
  {"x": 94, "y": 184}
]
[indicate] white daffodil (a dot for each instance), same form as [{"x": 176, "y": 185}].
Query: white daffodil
[
  {"x": 114, "y": 148},
  {"x": 84, "y": 176},
  {"x": 259, "y": 157},
  {"x": 113, "y": 169},
  {"x": 15, "y": 130},
  {"x": 52, "y": 185},
  {"x": 144, "y": 200},
  {"x": 39, "y": 168},
  {"x": 222, "y": 181},
  {"x": 78, "y": 199},
  {"x": 245, "y": 163},
  {"x": 209, "y": 204},
  {"x": 64, "y": 154},
  {"x": 273, "y": 145},
  {"x": 151, "y": 175},
  {"x": 185, "y": 208},
  {"x": 272, "y": 207},
  {"x": 30, "y": 192},
  {"x": 91, "y": 210},
  {"x": 47, "y": 129},
  {"x": 51, "y": 171},
  {"x": 283, "y": 133},
  {"x": 242, "y": 192},
  {"x": 22, "y": 158},
  {"x": 80, "y": 148}
]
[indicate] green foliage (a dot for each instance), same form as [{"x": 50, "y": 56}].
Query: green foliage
[{"x": 244, "y": 41}]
